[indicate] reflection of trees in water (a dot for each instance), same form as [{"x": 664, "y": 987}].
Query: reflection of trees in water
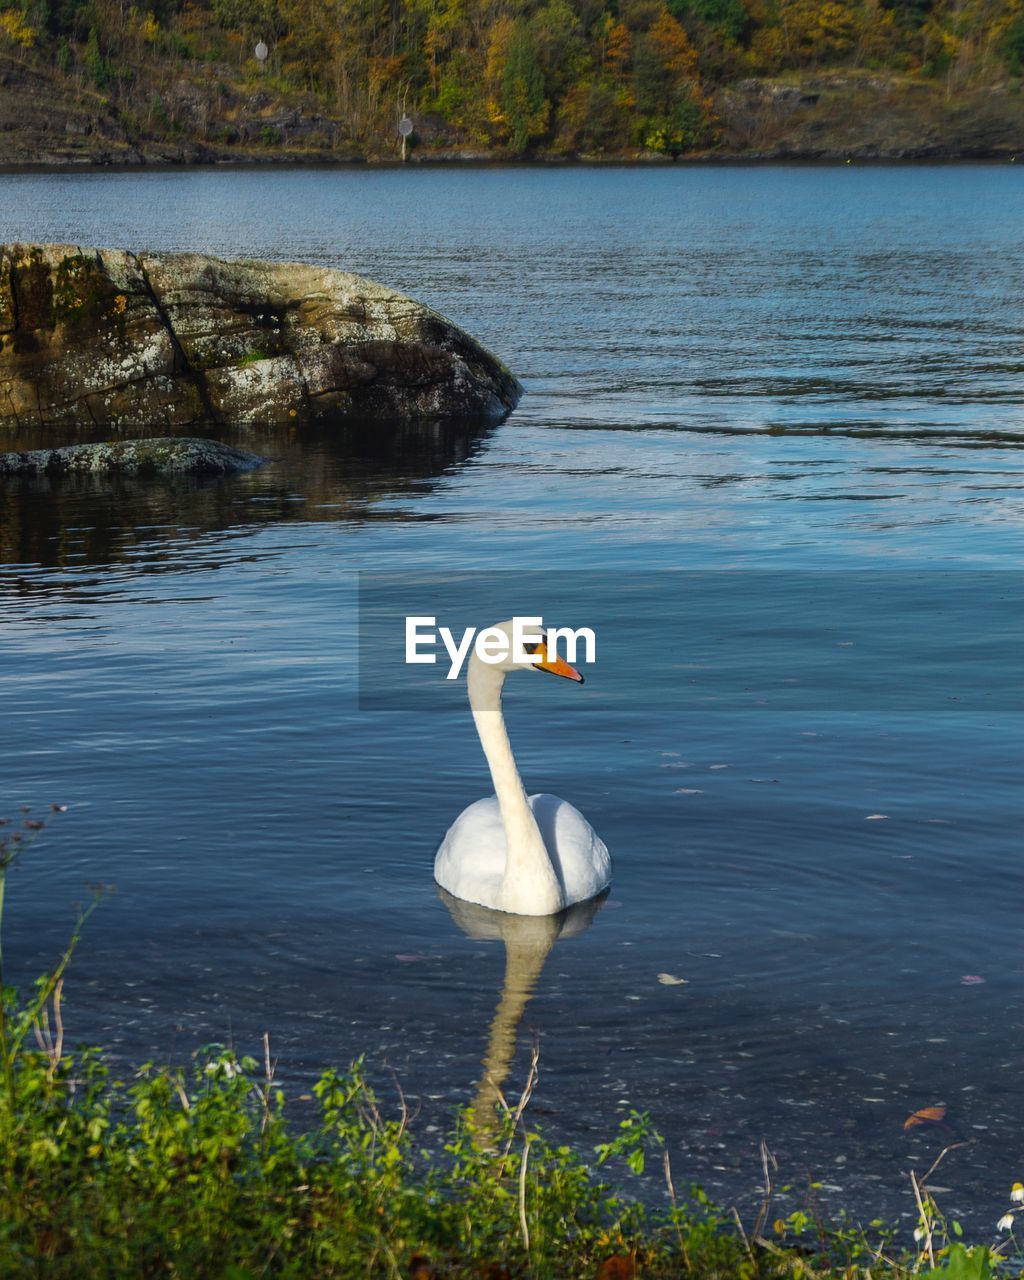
[
  {"x": 72, "y": 521},
  {"x": 528, "y": 941}
]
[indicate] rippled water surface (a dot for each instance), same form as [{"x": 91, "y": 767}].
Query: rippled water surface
[{"x": 727, "y": 371}]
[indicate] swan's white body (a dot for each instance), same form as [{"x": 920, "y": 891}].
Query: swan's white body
[
  {"x": 527, "y": 855},
  {"x": 472, "y": 859}
]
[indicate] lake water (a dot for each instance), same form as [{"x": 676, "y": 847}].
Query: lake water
[{"x": 810, "y": 379}]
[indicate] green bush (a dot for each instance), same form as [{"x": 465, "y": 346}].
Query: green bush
[
  {"x": 196, "y": 1174},
  {"x": 1013, "y": 45},
  {"x": 95, "y": 63}
]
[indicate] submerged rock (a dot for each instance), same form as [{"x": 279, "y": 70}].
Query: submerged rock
[
  {"x": 166, "y": 456},
  {"x": 104, "y": 337}
]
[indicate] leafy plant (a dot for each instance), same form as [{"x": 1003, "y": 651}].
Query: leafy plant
[{"x": 200, "y": 1171}]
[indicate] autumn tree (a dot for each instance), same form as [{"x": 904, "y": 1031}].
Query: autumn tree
[
  {"x": 673, "y": 112},
  {"x": 518, "y": 106}
]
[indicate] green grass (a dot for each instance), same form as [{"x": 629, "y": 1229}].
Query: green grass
[
  {"x": 163, "y": 1171},
  {"x": 252, "y": 357}
]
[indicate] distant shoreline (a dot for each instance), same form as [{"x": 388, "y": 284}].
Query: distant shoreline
[
  {"x": 714, "y": 161},
  {"x": 813, "y": 117}
]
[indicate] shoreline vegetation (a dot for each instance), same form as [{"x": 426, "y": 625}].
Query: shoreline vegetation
[
  {"x": 302, "y": 162},
  {"x": 176, "y": 82},
  {"x": 201, "y": 1173}
]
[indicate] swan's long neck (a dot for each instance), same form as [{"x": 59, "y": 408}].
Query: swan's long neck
[{"x": 530, "y": 885}]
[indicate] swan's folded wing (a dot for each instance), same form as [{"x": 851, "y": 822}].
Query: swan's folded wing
[
  {"x": 471, "y": 860},
  {"x": 581, "y": 859}
]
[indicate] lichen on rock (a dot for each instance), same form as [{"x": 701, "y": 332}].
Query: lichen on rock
[
  {"x": 105, "y": 337},
  {"x": 160, "y": 456}
]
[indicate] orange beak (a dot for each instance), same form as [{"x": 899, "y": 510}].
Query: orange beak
[{"x": 556, "y": 666}]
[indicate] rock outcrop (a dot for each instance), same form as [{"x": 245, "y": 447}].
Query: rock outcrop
[
  {"x": 173, "y": 455},
  {"x": 102, "y": 337},
  {"x": 859, "y": 115}
]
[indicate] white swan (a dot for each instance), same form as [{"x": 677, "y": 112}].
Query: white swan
[{"x": 527, "y": 855}]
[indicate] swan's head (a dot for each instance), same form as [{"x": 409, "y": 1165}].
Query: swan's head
[{"x": 536, "y": 645}]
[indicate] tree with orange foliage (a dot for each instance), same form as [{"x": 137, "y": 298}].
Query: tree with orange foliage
[{"x": 675, "y": 114}]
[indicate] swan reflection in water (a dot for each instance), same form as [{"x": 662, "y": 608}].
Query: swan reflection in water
[{"x": 528, "y": 941}]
